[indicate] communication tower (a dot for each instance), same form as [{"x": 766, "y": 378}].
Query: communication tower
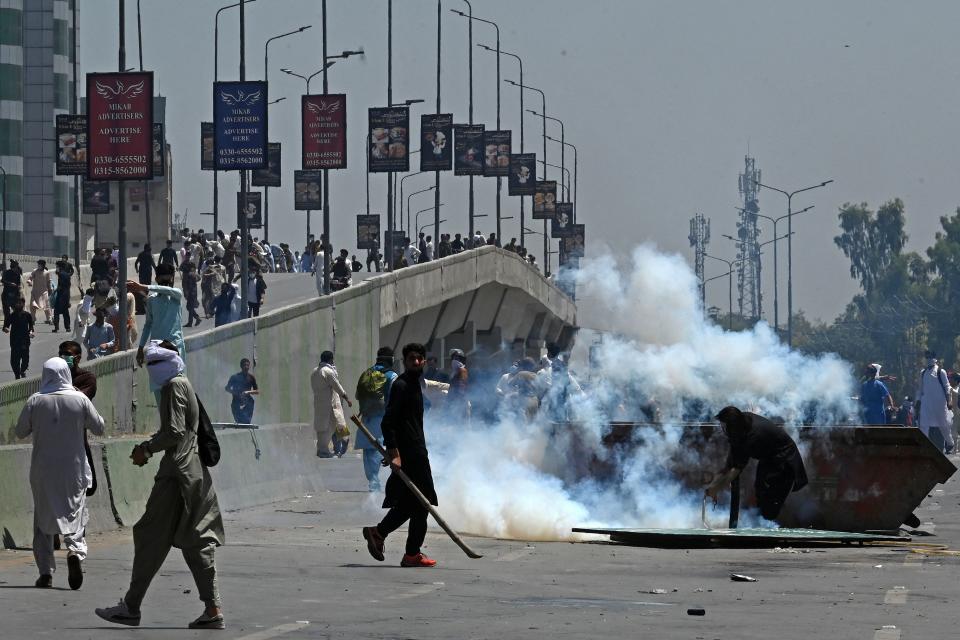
[
  {"x": 699, "y": 239},
  {"x": 748, "y": 244}
]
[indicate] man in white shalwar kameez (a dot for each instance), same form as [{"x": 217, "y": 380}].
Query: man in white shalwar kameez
[
  {"x": 60, "y": 474},
  {"x": 933, "y": 393},
  {"x": 327, "y": 410}
]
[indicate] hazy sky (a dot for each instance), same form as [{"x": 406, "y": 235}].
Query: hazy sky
[{"x": 662, "y": 99}]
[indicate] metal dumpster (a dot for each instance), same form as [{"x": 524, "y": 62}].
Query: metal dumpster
[{"x": 862, "y": 478}]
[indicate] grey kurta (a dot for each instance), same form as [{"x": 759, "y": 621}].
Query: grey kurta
[{"x": 199, "y": 523}]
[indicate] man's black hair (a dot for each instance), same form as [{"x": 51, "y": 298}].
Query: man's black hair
[
  {"x": 414, "y": 347},
  {"x": 326, "y": 357},
  {"x": 71, "y": 345},
  {"x": 166, "y": 269}
]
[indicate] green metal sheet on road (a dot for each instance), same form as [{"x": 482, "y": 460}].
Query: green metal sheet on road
[{"x": 756, "y": 537}]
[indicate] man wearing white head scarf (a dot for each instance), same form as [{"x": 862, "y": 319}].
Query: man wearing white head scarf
[
  {"x": 182, "y": 510},
  {"x": 57, "y": 417},
  {"x": 933, "y": 394}
]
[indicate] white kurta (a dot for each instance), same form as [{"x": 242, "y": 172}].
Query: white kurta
[
  {"x": 933, "y": 398},
  {"x": 59, "y": 471},
  {"x": 327, "y": 410}
]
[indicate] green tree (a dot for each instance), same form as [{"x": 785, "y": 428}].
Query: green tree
[{"x": 871, "y": 241}]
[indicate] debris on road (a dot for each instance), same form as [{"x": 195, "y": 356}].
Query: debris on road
[
  {"x": 739, "y": 577},
  {"x": 696, "y": 612}
]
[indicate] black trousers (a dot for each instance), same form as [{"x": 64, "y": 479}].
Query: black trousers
[
  {"x": 376, "y": 264},
  {"x": 416, "y": 532},
  {"x": 58, "y": 311},
  {"x": 19, "y": 359},
  {"x": 254, "y": 309},
  {"x": 773, "y": 485}
]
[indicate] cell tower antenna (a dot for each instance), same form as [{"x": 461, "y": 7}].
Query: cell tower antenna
[{"x": 750, "y": 296}]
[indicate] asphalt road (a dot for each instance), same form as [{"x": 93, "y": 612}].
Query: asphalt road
[
  {"x": 282, "y": 289},
  {"x": 299, "y": 569}
]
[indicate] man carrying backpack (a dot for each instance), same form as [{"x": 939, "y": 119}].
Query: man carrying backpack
[
  {"x": 182, "y": 510},
  {"x": 373, "y": 392}
]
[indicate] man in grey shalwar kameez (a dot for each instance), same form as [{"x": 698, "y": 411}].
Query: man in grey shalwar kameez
[
  {"x": 182, "y": 510},
  {"x": 60, "y": 474}
]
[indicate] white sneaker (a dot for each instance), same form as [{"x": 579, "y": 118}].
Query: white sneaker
[{"x": 119, "y": 614}]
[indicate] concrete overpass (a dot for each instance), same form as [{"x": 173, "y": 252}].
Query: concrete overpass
[{"x": 488, "y": 302}]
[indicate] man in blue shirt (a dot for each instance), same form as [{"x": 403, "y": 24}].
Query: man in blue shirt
[
  {"x": 164, "y": 320},
  {"x": 874, "y": 397}
]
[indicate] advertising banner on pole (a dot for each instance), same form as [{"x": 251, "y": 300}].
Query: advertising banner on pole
[
  {"x": 436, "y": 142},
  {"x": 306, "y": 190},
  {"x": 368, "y": 231},
  {"x": 574, "y": 243},
  {"x": 545, "y": 200},
  {"x": 206, "y": 146},
  {"x": 389, "y": 130},
  {"x": 96, "y": 198},
  {"x": 270, "y": 176},
  {"x": 496, "y": 153},
  {"x": 71, "y": 145},
  {"x": 523, "y": 171},
  {"x": 159, "y": 151},
  {"x": 252, "y": 207},
  {"x": 120, "y": 126},
  {"x": 562, "y": 225},
  {"x": 240, "y": 125},
  {"x": 324, "y": 131},
  {"x": 468, "y": 150}
]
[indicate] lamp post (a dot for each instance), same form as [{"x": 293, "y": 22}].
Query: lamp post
[
  {"x": 543, "y": 111},
  {"x": 430, "y": 188},
  {"x": 416, "y": 219},
  {"x": 402, "y": 180},
  {"x": 774, "y": 241},
  {"x": 470, "y": 212},
  {"x": 4, "y": 172},
  {"x": 776, "y": 289},
  {"x": 789, "y": 215},
  {"x": 121, "y": 204},
  {"x": 575, "y": 191},
  {"x": 501, "y": 52},
  {"x": 216, "y": 77},
  {"x": 266, "y": 78},
  {"x": 471, "y": 18},
  {"x": 428, "y": 224},
  {"x": 566, "y": 173},
  {"x": 729, "y": 274},
  {"x": 563, "y": 139},
  {"x": 393, "y": 176},
  {"x": 307, "y": 79}
]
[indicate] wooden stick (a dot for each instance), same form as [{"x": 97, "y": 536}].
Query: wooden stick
[{"x": 416, "y": 492}]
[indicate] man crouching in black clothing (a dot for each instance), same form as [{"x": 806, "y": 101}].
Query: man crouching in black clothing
[
  {"x": 780, "y": 468},
  {"x": 407, "y": 449}
]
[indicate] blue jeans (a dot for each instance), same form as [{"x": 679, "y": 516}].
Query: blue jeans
[{"x": 371, "y": 468}]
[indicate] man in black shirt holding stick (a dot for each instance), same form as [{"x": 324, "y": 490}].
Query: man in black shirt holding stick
[
  {"x": 780, "y": 468},
  {"x": 406, "y": 449}
]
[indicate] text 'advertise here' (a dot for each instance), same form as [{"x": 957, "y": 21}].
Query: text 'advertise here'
[{"x": 240, "y": 125}]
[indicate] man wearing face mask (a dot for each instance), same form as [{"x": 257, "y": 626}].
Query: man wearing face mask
[
  {"x": 164, "y": 320},
  {"x": 182, "y": 510},
  {"x": 780, "y": 469}
]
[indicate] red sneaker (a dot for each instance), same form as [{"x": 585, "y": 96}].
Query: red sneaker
[{"x": 418, "y": 560}]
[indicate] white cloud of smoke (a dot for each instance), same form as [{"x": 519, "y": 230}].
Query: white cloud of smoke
[{"x": 513, "y": 480}]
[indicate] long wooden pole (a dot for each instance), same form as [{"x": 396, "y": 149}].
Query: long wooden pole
[{"x": 416, "y": 492}]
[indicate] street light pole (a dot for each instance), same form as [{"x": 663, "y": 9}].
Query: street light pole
[
  {"x": 436, "y": 193},
  {"x": 470, "y": 57},
  {"x": 523, "y": 213},
  {"x": 471, "y": 18},
  {"x": 730, "y": 264},
  {"x": 566, "y": 173},
  {"x": 390, "y": 250},
  {"x": 266, "y": 78},
  {"x": 122, "y": 204},
  {"x": 575, "y": 192},
  {"x": 776, "y": 288},
  {"x": 409, "y": 233},
  {"x": 563, "y": 143},
  {"x": 543, "y": 111},
  {"x": 409, "y": 175},
  {"x": 789, "y": 215},
  {"x": 146, "y": 183},
  {"x": 216, "y": 77}
]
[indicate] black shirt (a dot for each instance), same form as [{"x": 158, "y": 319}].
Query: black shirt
[
  {"x": 20, "y": 324},
  {"x": 763, "y": 441},
  {"x": 340, "y": 269},
  {"x": 168, "y": 256},
  {"x": 100, "y": 267},
  {"x": 11, "y": 283},
  {"x": 402, "y": 427}
]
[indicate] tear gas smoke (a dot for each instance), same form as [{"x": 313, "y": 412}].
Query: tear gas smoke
[{"x": 507, "y": 479}]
